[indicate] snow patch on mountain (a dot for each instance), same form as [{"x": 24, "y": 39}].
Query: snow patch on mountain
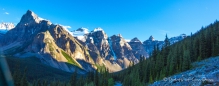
[
  {"x": 36, "y": 18},
  {"x": 177, "y": 38}
]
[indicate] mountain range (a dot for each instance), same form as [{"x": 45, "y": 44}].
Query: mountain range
[{"x": 56, "y": 46}]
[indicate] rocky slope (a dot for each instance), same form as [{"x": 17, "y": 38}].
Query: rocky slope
[{"x": 203, "y": 73}]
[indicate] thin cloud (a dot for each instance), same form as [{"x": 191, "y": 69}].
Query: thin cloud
[
  {"x": 127, "y": 40},
  {"x": 67, "y": 27},
  {"x": 3, "y": 8},
  {"x": 6, "y": 13},
  {"x": 164, "y": 32}
]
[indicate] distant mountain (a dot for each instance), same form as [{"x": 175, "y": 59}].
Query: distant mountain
[
  {"x": 151, "y": 42},
  {"x": 5, "y": 27},
  {"x": 177, "y": 38},
  {"x": 138, "y": 48}
]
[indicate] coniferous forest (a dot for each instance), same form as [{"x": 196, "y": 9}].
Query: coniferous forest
[
  {"x": 172, "y": 59},
  {"x": 169, "y": 60}
]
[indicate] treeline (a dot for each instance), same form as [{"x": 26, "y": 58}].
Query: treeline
[
  {"x": 100, "y": 77},
  {"x": 172, "y": 59}
]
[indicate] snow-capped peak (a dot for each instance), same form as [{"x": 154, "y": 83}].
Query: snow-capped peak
[
  {"x": 35, "y": 17},
  {"x": 97, "y": 29}
]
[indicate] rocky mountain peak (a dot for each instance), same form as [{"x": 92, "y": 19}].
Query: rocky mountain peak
[
  {"x": 135, "y": 40},
  {"x": 30, "y": 17},
  {"x": 99, "y": 34}
]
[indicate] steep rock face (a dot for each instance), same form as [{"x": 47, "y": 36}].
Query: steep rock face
[
  {"x": 138, "y": 48},
  {"x": 113, "y": 52},
  {"x": 71, "y": 46},
  {"x": 99, "y": 47},
  {"x": 99, "y": 40},
  {"x": 122, "y": 50},
  {"x": 47, "y": 51}
]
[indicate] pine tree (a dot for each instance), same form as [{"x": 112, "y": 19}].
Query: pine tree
[
  {"x": 73, "y": 79},
  {"x": 166, "y": 50},
  {"x": 186, "y": 61},
  {"x": 96, "y": 78},
  {"x": 110, "y": 82}
]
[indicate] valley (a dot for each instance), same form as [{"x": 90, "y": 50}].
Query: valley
[{"x": 41, "y": 52}]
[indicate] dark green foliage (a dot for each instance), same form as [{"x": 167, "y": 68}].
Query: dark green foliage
[
  {"x": 33, "y": 69},
  {"x": 110, "y": 82},
  {"x": 73, "y": 79},
  {"x": 19, "y": 76}
]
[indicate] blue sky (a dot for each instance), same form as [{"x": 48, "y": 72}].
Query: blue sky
[{"x": 131, "y": 18}]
